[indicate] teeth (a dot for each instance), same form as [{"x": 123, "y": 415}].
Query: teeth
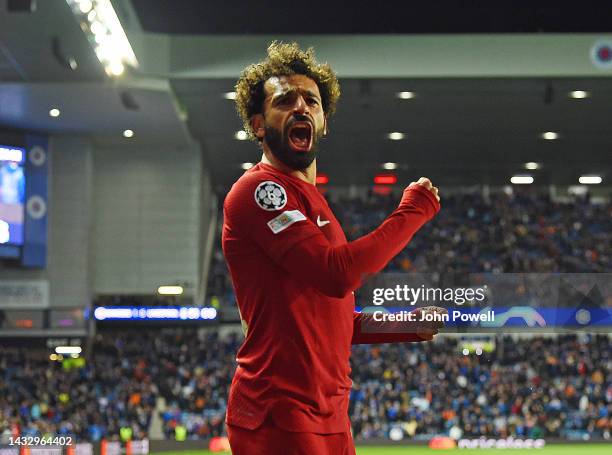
[{"x": 300, "y": 135}]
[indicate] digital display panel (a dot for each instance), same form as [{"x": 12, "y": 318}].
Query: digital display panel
[{"x": 12, "y": 195}]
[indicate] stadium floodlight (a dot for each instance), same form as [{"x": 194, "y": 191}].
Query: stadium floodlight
[
  {"x": 396, "y": 136},
  {"x": 550, "y": 135},
  {"x": 170, "y": 290},
  {"x": 532, "y": 165},
  {"x": 55, "y": 112},
  {"x": 229, "y": 95},
  {"x": 246, "y": 166},
  {"x": 405, "y": 95},
  {"x": 68, "y": 350},
  {"x": 101, "y": 24},
  {"x": 589, "y": 179},
  {"x": 241, "y": 135},
  {"x": 85, "y": 6},
  {"x": 521, "y": 179},
  {"x": 389, "y": 166},
  {"x": 579, "y": 94},
  {"x": 128, "y": 133}
]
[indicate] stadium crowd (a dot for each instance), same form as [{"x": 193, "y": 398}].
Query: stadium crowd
[
  {"x": 558, "y": 386},
  {"x": 533, "y": 387},
  {"x": 526, "y": 388},
  {"x": 114, "y": 393},
  {"x": 525, "y": 231}
]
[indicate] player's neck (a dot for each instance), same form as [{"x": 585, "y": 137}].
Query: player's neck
[{"x": 309, "y": 175}]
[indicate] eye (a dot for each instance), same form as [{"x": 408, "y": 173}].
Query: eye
[{"x": 313, "y": 101}]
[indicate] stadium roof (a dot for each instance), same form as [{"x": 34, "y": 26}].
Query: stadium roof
[
  {"x": 481, "y": 101},
  {"x": 366, "y": 17}
]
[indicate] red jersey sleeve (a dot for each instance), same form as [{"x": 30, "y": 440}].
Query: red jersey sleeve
[
  {"x": 272, "y": 215},
  {"x": 339, "y": 270},
  {"x": 368, "y": 331}
]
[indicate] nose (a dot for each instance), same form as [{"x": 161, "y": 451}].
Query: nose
[{"x": 301, "y": 106}]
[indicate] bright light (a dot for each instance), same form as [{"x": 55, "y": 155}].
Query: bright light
[
  {"x": 229, "y": 95},
  {"x": 590, "y": 179},
  {"x": 170, "y": 290},
  {"x": 389, "y": 166},
  {"x": 85, "y": 6},
  {"x": 396, "y": 136},
  {"x": 241, "y": 135},
  {"x": 102, "y": 313},
  {"x": 104, "y": 26},
  {"x": 246, "y": 166},
  {"x": 53, "y": 357},
  {"x": 116, "y": 68},
  {"x": 579, "y": 94},
  {"x": 550, "y": 135},
  {"x": 68, "y": 350},
  {"x": 385, "y": 179},
  {"x": 479, "y": 351},
  {"x": 321, "y": 179},
  {"x": 11, "y": 154},
  {"x": 521, "y": 179},
  {"x": 405, "y": 95},
  {"x": 532, "y": 165},
  {"x": 465, "y": 351},
  {"x": 54, "y": 112},
  {"x": 128, "y": 133},
  {"x": 103, "y": 50},
  {"x": 578, "y": 190},
  {"x": 154, "y": 313},
  {"x": 97, "y": 28},
  {"x": 208, "y": 313}
]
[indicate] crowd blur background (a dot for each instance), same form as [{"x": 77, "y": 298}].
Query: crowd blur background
[{"x": 119, "y": 141}]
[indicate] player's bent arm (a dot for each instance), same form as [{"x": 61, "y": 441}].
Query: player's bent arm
[
  {"x": 336, "y": 271},
  {"x": 367, "y": 329}
]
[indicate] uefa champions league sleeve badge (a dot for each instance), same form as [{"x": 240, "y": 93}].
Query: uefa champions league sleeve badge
[{"x": 270, "y": 196}]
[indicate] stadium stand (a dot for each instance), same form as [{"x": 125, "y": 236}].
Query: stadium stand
[
  {"x": 522, "y": 231},
  {"x": 563, "y": 390}
]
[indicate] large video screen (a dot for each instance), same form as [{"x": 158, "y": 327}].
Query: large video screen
[{"x": 12, "y": 195}]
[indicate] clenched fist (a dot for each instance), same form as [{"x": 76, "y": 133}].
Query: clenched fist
[
  {"x": 429, "y": 321},
  {"x": 425, "y": 182}
]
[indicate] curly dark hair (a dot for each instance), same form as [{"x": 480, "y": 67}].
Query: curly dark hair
[{"x": 283, "y": 60}]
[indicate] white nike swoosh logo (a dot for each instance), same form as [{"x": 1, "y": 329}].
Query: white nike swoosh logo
[{"x": 321, "y": 223}]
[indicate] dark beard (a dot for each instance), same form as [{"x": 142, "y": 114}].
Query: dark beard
[{"x": 278, "y": 143}]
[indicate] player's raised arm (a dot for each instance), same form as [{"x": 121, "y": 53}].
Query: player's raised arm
[
  {"x": 336, "y": 271},
  {"x": 298, "y": 245}
]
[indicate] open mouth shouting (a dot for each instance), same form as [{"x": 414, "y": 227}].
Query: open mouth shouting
[{"x": 300, "y": 136}]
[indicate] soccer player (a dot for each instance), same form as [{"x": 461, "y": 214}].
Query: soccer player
[{"x": 294, "y": 272}]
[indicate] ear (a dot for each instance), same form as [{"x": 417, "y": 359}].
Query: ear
[{"x": 257, "y": 125}]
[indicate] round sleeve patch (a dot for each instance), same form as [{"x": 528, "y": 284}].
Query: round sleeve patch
[{"x": 270, "y": 196}]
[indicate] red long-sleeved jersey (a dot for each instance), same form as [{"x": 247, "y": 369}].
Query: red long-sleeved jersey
[{"x": 294, "y": 273}]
